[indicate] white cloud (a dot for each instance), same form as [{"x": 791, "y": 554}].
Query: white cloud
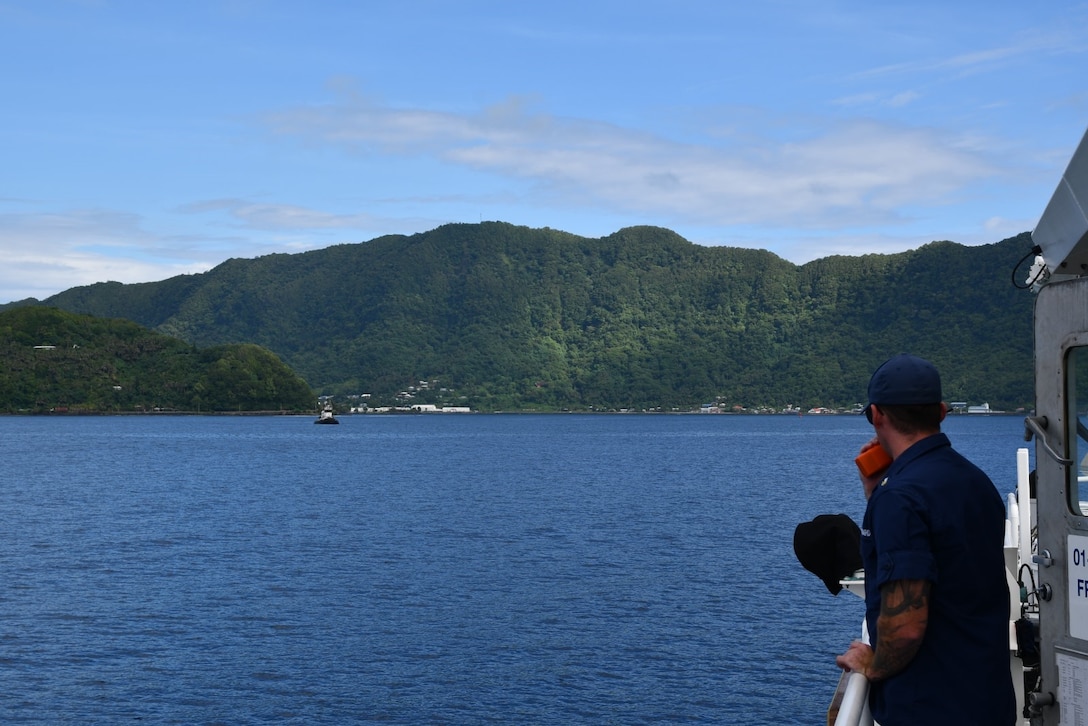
[
  {"x": 48, "y": 252},
  {"x": 857, "y": 173},
  {"x": 1061, "y": 42},
  {"x": 282, "y": 217},
  {"x": 904, "y": 98}
]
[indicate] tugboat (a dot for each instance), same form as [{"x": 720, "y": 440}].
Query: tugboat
[{"x": 326, "y": 417}]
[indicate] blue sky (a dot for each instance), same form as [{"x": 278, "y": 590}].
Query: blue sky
[{"x": 140, "y": 140}]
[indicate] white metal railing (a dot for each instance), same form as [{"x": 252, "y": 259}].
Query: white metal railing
[
  {"x": 1023, "y": 497},
  {"x": 853, "y": 709},
  {"x": 850, "y": 706}
]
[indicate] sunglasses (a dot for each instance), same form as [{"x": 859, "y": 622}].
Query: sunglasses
[{"x": 869, "y": 413}]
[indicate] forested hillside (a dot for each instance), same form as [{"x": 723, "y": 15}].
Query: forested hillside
[
  {"x": 60, "y": 361},
  {"x": 503, "y": 317}
]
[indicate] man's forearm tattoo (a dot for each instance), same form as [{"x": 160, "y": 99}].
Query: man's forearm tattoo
[{"x": 904, "y": 614}]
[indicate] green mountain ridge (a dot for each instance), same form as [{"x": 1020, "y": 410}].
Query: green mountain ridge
[
  {"x": 501, "y": 317},
  {"x": 65, "y": 362}
]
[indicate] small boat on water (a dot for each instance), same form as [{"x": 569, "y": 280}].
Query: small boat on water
[{"x": 326, "y": 417}]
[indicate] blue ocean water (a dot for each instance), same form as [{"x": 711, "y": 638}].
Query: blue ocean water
[{"x": 433, "y": 569}]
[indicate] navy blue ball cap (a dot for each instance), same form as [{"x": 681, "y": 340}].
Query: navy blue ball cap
[{"x": 903, "y": 381}]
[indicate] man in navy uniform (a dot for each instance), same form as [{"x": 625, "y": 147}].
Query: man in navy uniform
[{"x": 936, "y": 598}]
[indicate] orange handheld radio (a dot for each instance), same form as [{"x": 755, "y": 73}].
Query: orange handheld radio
[{"x": 873, "y": 461}]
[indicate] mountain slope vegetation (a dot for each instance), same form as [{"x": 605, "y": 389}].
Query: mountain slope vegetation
[
  {"x": 503, "y": 317},
  {"x": 61, "y": 361}
]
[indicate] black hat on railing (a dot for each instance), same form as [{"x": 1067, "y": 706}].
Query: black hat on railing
[{"x": 829, "y": 547}]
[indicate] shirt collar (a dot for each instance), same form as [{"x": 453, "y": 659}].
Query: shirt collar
[{"x": 915, "y": 451}]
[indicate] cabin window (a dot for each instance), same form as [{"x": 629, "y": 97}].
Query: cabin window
[{"x": 1077, "y": 397}]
